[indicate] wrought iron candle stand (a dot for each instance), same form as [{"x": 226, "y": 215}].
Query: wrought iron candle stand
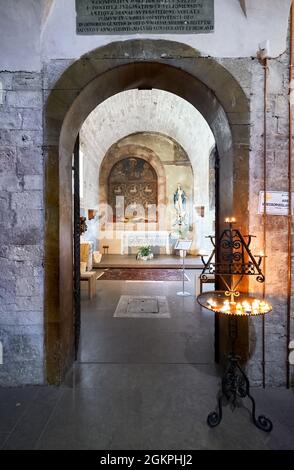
[{"x": 234, "y": 261}]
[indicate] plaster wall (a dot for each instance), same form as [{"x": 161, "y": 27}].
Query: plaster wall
[{"x": 36, "y": 31}]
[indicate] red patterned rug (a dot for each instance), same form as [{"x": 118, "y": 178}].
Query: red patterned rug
[{"x": 137, "y": 274}]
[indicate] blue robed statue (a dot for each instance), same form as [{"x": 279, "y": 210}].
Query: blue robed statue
[{"x": 180, "y": 200}]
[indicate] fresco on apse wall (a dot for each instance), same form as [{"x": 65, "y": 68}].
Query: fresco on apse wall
[
  {"x": 180, "y": 154},
  {"x": 135, "y": 180}
]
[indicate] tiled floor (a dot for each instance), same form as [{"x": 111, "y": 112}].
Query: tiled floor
[{"x": 140, "y": 384}]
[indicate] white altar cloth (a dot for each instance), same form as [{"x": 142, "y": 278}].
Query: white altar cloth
[{"x": 144, "y": 238}]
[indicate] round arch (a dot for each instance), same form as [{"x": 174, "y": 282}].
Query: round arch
[{"x": 124, "y": 65}]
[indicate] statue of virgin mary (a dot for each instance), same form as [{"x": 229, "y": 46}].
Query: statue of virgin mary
[{"x": 180, "y": 199}]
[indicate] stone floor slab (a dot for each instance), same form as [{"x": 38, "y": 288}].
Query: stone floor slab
[{"x": 151, "y": 307}]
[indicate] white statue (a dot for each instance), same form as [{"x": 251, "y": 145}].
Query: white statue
[{"x": 180, "y": 199}]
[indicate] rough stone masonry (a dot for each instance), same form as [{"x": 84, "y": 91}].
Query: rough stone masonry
[
  {"x": 21, "y": 228},
  {"x": 22, "y": 214}
]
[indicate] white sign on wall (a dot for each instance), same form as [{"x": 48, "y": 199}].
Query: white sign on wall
[{"x": 277, "y": 202}]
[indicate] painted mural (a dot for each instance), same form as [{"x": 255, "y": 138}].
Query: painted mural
[{"x": 136, "y": 181}]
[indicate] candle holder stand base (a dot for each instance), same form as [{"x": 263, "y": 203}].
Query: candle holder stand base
[
  {"x": 183, "y": 294},
  {"x": 235, "y": 384}
]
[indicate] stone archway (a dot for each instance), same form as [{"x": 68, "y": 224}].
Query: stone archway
[{"x": 124, "y": 65}]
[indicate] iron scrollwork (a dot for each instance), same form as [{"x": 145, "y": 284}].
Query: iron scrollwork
[
  {"x": 231, "y": 260},
  {"x": 234, "y": 257},
  {"x": 235, "y": 384}
]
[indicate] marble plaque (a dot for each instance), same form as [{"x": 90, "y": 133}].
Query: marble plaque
[{"x": 144, "y": 16}]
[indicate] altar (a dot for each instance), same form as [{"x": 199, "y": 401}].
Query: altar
[{"x": 145, "y": 238}]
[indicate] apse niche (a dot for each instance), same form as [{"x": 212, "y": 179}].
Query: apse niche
[{"x": 138, "y": 148}]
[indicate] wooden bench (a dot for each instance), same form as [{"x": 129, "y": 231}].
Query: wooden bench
[{"x": 90, "y": 277}]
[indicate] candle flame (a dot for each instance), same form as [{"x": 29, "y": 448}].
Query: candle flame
[
  {"x": 230, "y": 220},
  {"x": 249, "y": 306}
]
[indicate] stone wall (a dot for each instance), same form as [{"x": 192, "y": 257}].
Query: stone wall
[
  {"x": 277, "y": 229},
  {"x": 21, "y": 229},
  {"x": 22, "y": 216},
  {"x": 277, "y": 179},
  {"x": 250, "y": 74}
]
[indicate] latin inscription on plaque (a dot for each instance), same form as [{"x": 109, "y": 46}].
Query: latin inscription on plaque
[{"x": 144, "y": 16}]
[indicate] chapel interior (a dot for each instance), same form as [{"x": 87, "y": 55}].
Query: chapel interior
[
  {"x": 141, "y": 163},
  {"x": 146, "y": 226}
]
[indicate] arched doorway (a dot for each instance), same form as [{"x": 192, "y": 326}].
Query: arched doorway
[{"x": 165, "y": 65}]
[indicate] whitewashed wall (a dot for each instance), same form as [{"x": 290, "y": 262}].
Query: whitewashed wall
[{"x": 34, "y": 31}]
